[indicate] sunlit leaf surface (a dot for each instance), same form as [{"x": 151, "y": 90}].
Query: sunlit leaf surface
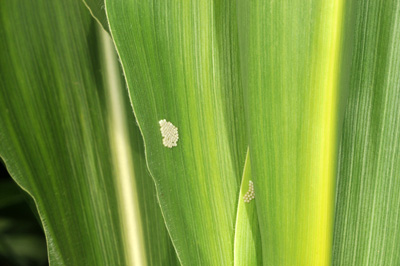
[
  {"x": 290, "y": 58},
  {"x": 181, "y": 64},
  {"x": 274, "y": 78},
  {"x": 247, "y": 232}
]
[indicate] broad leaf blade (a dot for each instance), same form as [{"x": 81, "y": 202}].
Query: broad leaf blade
[
  {"x": 181, "y": 64},
  {"x": 128, "y": 148},
  {"x": 367, "y": 220},
  {"x": 159, "y": 248},
  {"x": 51, "y": 114},
  {"x": 59, "y": 137},
  {"x": 290, "y": 57}
]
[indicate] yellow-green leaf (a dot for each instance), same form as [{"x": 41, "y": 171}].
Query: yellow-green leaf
[
  {"x": 290, "y": 61},
  {"x": 181, "y": 64},
  {"x": 247, "y": 247}
]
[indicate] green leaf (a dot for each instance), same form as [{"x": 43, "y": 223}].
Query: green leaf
[
  {"x": 290, "y": 58},
  {"x": 247, "y": 247},
  {"x": 159, "y": 249},
  {"x": 68, "y": 137},
  {"x": 128, "y": 148},
  {"x": 97, "y": 9},
  {"x": 367, "y": 220},
  {"x": 181, "y": 64}
]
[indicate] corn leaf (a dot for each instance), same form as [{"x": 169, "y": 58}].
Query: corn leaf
[
  {"x": 367, "y": 223},
  {"x": 247, "y": 249},
  {"x": 290, "y": 60},
  {"x": 68, "y": 138},
  {"x": 294, "y": 67},
  {"x": 269, "y": 77},
  {"x": 158, "y": 246},
  {"x": 180, "y": 61}
]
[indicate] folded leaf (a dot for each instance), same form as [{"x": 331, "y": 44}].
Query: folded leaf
[
  {"x": 247, "y": 232},
  {"x": 97, "y": 9}
]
